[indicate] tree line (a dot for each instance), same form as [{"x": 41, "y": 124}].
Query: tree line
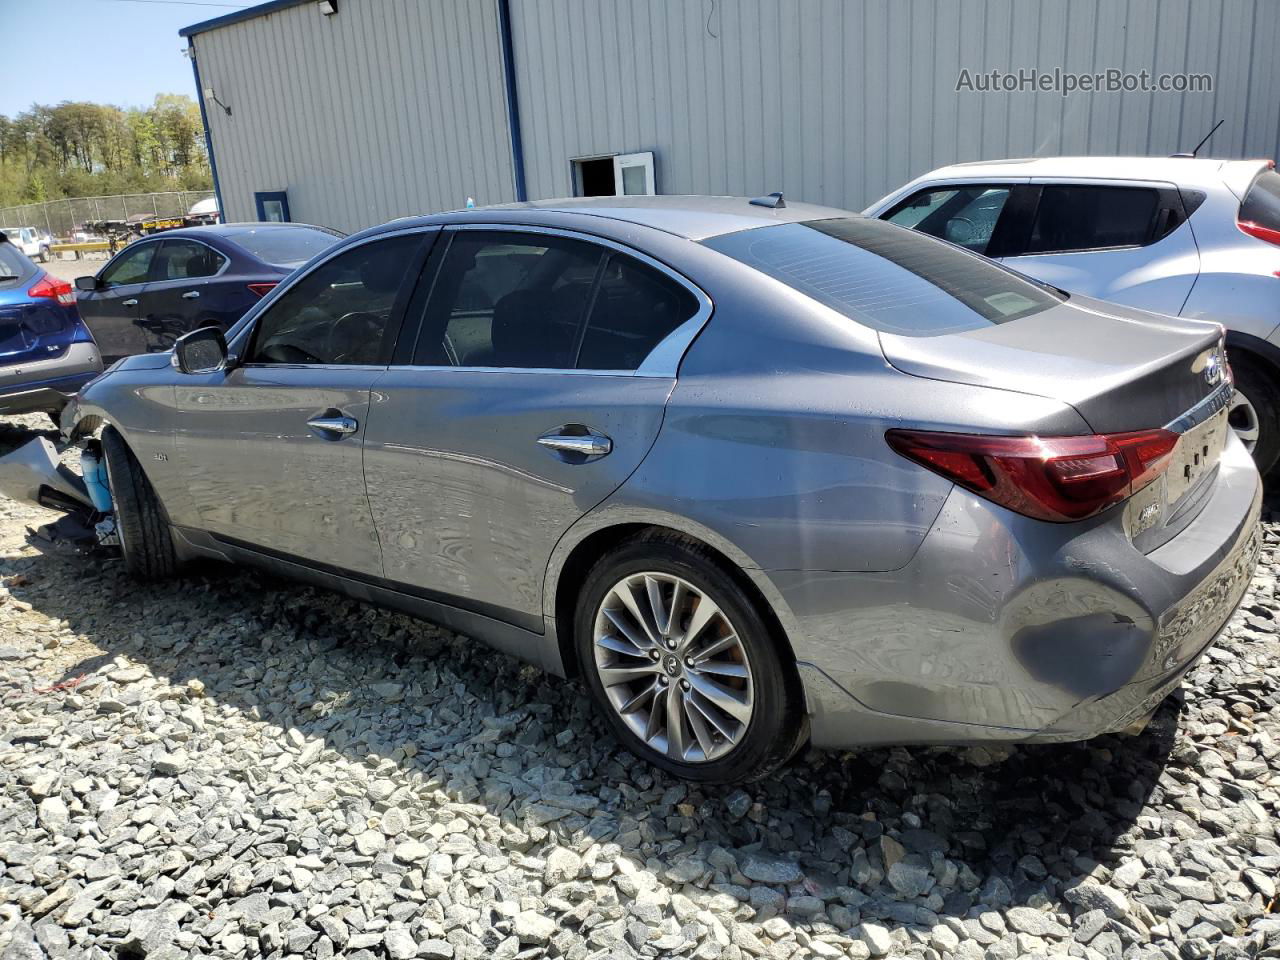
[{"x": 93, "y": 149}]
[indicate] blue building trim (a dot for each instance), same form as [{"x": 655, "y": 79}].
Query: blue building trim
[
  {"x": 248, "y": 13},
  {"x": 208, "y": 134},
  {"x": 513, "y": 105}
]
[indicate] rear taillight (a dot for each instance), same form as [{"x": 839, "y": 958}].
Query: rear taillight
[
  {"x": 1059, "y": 479},
  {"x": 1259, "y": 231},
  {"x": 52, "y": 289},
  {"x": 262, "y": 289}
]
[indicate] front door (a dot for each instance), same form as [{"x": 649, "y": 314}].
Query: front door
[
  {"x": 525, "y": 403},
  {"x": 272, "y": 450},
  {"x": 112, "y": 311}
]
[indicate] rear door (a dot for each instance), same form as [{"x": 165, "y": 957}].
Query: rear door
[
  {"x": 180, "y": 294},
  {"x": 1128, "y": 243},
  {"x": 112, "y": 311},
  {"x": 535, "y": 385}
]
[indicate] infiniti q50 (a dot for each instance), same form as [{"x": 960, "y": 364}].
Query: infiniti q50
[{"x": 759, "y": 474}]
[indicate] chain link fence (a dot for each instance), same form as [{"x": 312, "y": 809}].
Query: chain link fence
[{"x": 61, "y": 217}]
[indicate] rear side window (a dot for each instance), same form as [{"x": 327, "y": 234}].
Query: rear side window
[
  {"x": 888, "y": 278},
  {"x": 186, "y": 260},
  {"x": 537, "y": 301},
  {"x": 1092, "y": 218},
  {"x": 284, "y": 246},
  {"x": 14, "y": 267},
  {"x": 965, "y": 216},
  {"x": 340, "y": 312},
  {"x": 634, "y": 308},
  {"x": 1262, "y": 202}
]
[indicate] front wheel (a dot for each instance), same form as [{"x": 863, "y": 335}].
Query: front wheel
[
  {"x": 682, "y": 664},
  {"x": 146, "y": 540},
  {"x": 1254, "y": 414}
]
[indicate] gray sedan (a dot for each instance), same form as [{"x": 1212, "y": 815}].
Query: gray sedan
[{"x": 759, "y": 473}]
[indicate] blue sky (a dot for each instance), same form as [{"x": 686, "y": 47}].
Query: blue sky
[{"x": 107, "y": 51}]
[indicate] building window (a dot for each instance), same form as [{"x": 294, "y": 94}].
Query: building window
[
  {"x": 273, "y": 206},
  {"x": 616, "y": 175}
]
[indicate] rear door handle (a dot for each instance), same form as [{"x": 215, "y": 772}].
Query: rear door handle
[
  {"x": 586, "y": 445},
  {"x": 131, "y": 302},
  {"x": 342, "y": 426},
  {"x": 191, "y": 295}
]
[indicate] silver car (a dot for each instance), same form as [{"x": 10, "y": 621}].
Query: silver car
[
  {"x": 1183, "y": 236},
  {"x": 760, "y": 473}
]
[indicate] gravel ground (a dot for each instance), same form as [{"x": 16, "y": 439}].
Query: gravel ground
[{"x": 231, "y": 766}]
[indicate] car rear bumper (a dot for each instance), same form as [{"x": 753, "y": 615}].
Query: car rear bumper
[
  {"x": 1006, "y": 629},
  {"x": 48, "y": 384}
]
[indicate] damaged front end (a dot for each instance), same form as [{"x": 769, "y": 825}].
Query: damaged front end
[{"x": 35, "y": 473}]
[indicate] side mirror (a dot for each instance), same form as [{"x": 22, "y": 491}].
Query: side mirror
[
  {"x": 87, "y": 284},
  {"x": 200, "y": 351}
]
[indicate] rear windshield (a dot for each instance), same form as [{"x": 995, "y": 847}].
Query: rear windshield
[
  {"x": 14, "y": 266},
  {"x": 284, "y": 246},
  {"x": 1262, "y": 202},
  {"x": 887, "y": 277}
]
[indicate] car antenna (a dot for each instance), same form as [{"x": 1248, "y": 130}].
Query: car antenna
[
  {"x": 774, "y": 201},
  {"x": 1192, "y": 154}
]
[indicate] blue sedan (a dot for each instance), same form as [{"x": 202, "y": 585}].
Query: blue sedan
[
  {"x": 46, "y": 354},
  {"x": 156, "y": 289}
]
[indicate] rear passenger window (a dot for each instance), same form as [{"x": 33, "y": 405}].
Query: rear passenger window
[
  {"x": 536, "y": 301},
  {"x": 186, "y": 260},
  {"x": 1092, "y": 218},
  {"x": 634, "y": 309}
]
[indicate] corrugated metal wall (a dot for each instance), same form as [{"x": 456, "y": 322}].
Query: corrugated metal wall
[
  {"x": 395, "y": 107},
  {"x": 390, "y": 108},
  {"x": 838, "y": 101}
]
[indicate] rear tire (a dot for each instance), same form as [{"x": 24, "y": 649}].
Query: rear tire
[
  {"x": 1255, "y": 413},
  {"x": 146, "y": 540},
  {"x": 711, "y": 746}
]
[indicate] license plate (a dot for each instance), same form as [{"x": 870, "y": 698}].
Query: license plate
[{"x": 1197, "y": 453}]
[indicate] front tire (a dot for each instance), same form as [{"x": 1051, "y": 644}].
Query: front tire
[
  {"x": 1255, "y": 411},
  {"x": 146, "y": 540},
  {"x": 682, "y": 664}
]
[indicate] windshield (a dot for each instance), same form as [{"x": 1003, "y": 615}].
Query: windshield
[
  {"x": 284, "y": 246},
  {"x": 886, "y": 277}
]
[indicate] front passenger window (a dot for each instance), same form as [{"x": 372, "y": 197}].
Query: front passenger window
[{"x": 339, "y": 313}]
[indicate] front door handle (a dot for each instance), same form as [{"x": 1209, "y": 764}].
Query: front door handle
[
  {"x": 342, "y": 426},
  {"x": 131, "y": 302},
  {"x": 586, "y": 445},
  {"x": 191, "y": 295}
]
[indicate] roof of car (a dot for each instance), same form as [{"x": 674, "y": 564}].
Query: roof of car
[
  {"x": 1201, "y": 172},
  {"x": 231, "y": 229},
  {"x": 694, "y": 218}
]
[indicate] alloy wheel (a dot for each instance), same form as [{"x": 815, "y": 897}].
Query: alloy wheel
[
  {"x": 1243, "y": 419},
  {"x": 673, "y": 667}
]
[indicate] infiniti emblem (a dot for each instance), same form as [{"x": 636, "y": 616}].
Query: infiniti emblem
[
  {"x": 671, "y": 664},
  {"x": 1213, "y": 369}
]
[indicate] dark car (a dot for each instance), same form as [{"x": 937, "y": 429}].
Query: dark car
[
  {"x": 46, "y": 354},
  {"x": 158, "y": 288}
]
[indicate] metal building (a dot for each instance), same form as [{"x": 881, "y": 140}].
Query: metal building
[{"x": 352, "y": 112}]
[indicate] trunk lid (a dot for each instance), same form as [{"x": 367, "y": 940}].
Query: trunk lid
[{"x": 1120, "y": 368}]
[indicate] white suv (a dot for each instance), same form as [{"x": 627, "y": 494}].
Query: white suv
[
  {"x": 1177, "y": 235},
  {"x": 30, "y": 241}
]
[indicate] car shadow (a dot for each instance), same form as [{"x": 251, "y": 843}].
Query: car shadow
[{"x": 1015, "y": 823}]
